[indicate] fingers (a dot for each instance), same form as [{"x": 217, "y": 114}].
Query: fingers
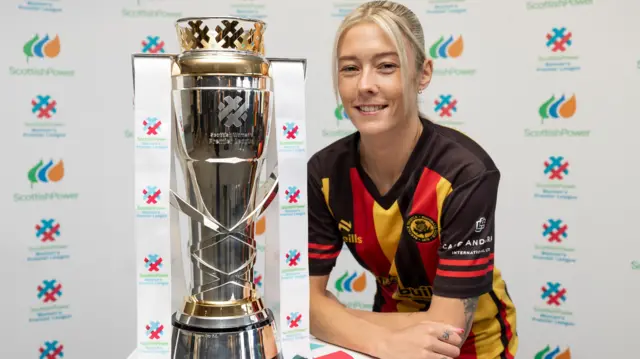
[
  {"x": 451, "y": 336},
  {"x": 442, "y": 349},
  {"x": 445, "y": 332}
]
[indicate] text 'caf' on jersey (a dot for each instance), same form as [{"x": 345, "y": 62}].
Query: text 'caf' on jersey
[{"x": 431, "y": 234}]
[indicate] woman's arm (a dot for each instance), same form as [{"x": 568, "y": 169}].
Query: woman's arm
[{"x": 334, "y": 323}]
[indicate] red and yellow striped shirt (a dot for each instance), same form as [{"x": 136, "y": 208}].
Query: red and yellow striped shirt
[{"x": 431, "y": 234}]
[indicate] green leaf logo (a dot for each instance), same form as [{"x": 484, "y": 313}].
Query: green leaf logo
[
  {"x": 541, "y": 354},
  {"x": 340, "y": 281},
  {"x": 33, "y": 172},
  {"x": 543, "y": 111},
  {"x": 433, "y": 50},
  {"x": 28, "y": 47}
]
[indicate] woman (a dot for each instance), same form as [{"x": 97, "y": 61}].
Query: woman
[{"x": 413, "y": 201}]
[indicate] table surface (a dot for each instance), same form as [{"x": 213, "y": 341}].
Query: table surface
[{"x": 319, "y": 350}]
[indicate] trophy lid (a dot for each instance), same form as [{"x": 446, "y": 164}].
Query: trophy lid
[{"x": 221, "y": 33}]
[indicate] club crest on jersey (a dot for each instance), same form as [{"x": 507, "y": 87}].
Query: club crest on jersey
[{"x": 422, "y": 228}]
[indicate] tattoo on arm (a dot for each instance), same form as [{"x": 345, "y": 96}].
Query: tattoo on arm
[{"x": 470, "y": 305}]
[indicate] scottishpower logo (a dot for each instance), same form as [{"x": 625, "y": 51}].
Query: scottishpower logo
[
  {"x": 42, "y": 177},
  {"x": 38, "y": 50},
  {"x": 42, "y": 48},
  {"x": 45, "y": 173},
  {"x": 447, "y": 48},
  {"x": 340, "y": 113},
  {"x": 556, "y": 4},
  {"x": 450, "y": 47},
  {"x": 351, "y": 283},
  {"x": 557, "y": 353},
  {"x": 552, "y": 113},
  {"x": 558, "y": 107}
]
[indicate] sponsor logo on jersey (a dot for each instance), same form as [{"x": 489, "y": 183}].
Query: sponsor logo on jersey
[
  {"x": 387, "y": 281},
  {"x": 348, "y": 236},
  {"x": 422, "y": 228},
  {"x": 480, "y": 224},
  {"x": 481, "y": 242},
  {"x": 423, "y": 292}
]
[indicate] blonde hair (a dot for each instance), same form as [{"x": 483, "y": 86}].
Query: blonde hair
[{"x": 399, "y": 23}]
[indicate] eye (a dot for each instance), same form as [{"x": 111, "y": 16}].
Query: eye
[
  {"x": 348, "y": 68},
  {"x": 388, "y": 67}
]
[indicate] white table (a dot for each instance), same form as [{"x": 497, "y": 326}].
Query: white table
[{"x": 319, "y": 350}]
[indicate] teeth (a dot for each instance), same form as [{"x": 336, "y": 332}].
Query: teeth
[{"x": 371, "y": 108}]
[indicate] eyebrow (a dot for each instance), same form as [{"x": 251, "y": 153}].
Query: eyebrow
[{"x": 382, "y": 54}]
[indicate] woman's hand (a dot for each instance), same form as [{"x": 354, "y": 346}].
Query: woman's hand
[{"x": 426, "y": 340}]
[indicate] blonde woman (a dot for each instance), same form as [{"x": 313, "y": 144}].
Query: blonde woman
[{"x": 414, "y": 203}]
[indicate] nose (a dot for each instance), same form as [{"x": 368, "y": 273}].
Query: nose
[{"x": 367, "y": 82}]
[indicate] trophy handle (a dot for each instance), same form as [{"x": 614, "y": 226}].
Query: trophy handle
[
  {"x": 268, "y": 192},
  {"x": 188, "y": 209}
]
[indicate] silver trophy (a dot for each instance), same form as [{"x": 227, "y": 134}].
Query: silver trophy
[{"x": 223, "y": 99}]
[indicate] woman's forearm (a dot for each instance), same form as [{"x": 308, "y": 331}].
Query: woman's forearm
[
  {"x": 391, "y": 321},
  {"x": 333, "y": 323}
]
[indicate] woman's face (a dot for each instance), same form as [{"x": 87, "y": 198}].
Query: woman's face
[{"x": 370, "y": 81}]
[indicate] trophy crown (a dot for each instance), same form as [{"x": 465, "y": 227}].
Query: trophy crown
[{"x": 222, "y": 33}]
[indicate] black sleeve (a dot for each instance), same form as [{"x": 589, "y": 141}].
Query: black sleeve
[
  {"x": 465, "y": 267},
  {"x": 325, "y": 242}
]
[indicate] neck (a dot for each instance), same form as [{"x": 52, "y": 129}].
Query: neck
[{"x": 384, "y": 156}]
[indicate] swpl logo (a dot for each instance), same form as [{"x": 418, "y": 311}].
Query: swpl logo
[
  {"x": 43, "y": 106},
  {"x": 290, "y": 131},
  {"x": 154, "y": 330},
  {"x": 292, "y": 258},
  {"x": 554, "y": 230},
  {"x": 556, "y": 167},
  {"x": 445, "y": 105},
  {"x": 559, "y": 39},
  {"x": 553, "y": 294},
  {"x": 47, "y": 229},
  {"x": 49, "y": 291},
  {"x": 153, "y": 45},
  {"x": 292, "y": 194},
  {"x": 153, "y": 263},
  {"x": 52, "y": 350},
  {"x": 151, "y": 195},
  {"x": 151, "y": 126},
  {"x": 294, "y": 320}
]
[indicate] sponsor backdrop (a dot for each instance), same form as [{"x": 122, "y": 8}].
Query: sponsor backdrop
[{"x": 548, "y": 87}]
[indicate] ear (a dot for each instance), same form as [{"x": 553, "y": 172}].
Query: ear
[{"x": 424, "y": 78}]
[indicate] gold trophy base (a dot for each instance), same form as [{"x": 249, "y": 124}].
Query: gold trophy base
[{"x": 240, "y": 329}]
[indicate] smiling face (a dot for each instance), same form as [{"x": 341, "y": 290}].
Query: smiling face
[{"x": 370, "y": 81}]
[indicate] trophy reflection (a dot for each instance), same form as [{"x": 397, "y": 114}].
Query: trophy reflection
[{"x": 222, "y": 94}]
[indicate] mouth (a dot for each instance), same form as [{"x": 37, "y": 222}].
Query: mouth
[{"x": 370, "y": 109}]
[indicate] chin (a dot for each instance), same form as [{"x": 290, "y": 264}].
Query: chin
[{"x": 373, "y": 126}]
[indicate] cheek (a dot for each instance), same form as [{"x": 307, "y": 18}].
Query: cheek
[{"x": 347, "y": 89}]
